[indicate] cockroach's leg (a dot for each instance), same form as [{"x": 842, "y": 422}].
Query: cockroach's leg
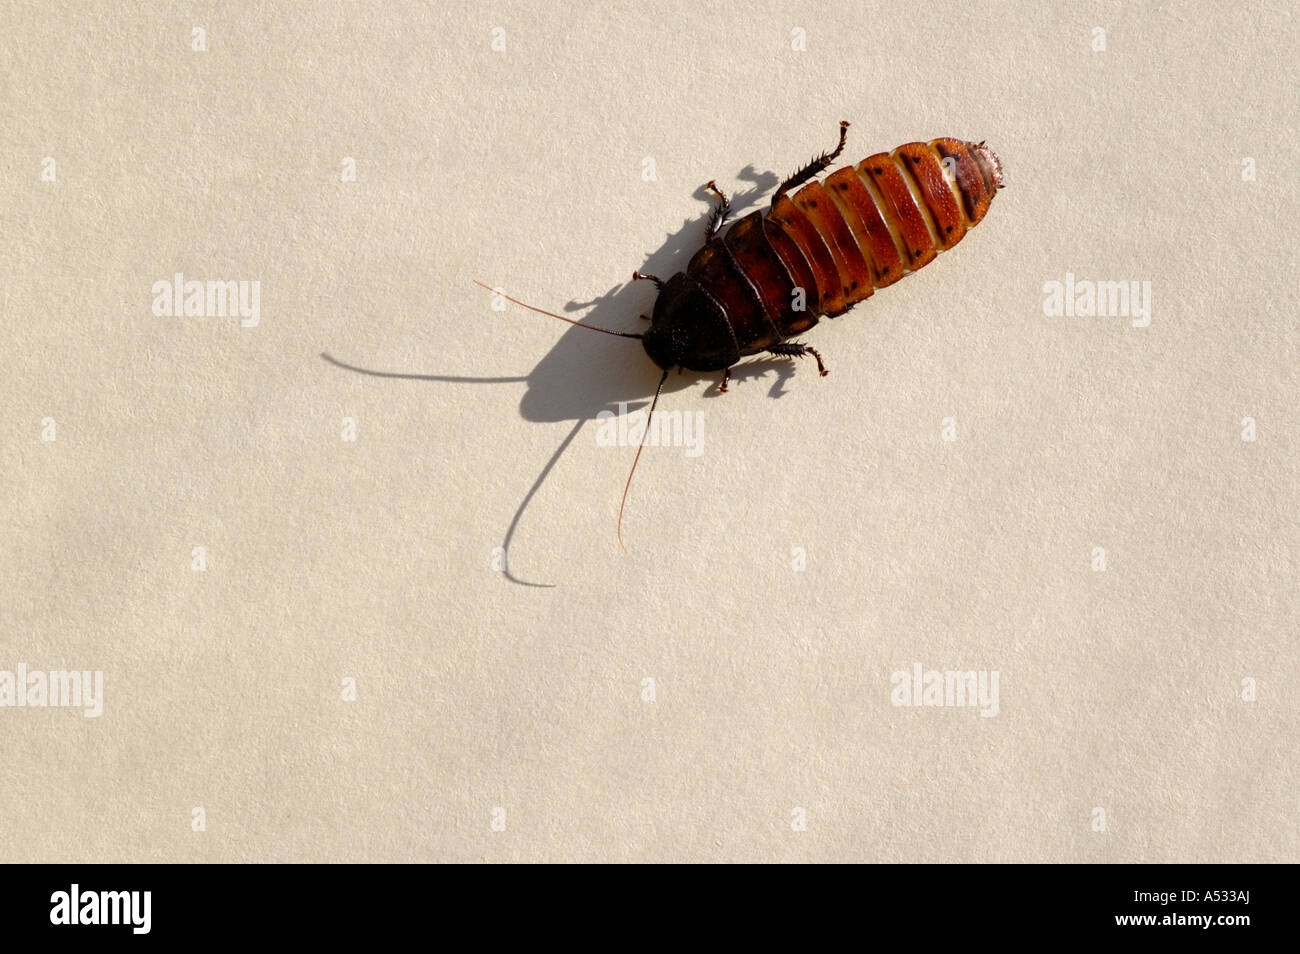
[
  {"x": 639, "y": 276},
  {"x": 799, "y": 351},
  {"x": 814, "y": 168},
  {"x": 726, "y": 376},
  {"x": 718, "y": 217}
]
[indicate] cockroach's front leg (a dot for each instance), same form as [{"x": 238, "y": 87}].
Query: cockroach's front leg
[{"x": 719, "y": 215}]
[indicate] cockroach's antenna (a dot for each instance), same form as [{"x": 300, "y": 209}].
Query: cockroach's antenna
[
  {"x": 621, "y": 334},
  {"x": 649, "y": 419}
]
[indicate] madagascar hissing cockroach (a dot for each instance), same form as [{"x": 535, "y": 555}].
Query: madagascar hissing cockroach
[{"x": 817, "y": 252}]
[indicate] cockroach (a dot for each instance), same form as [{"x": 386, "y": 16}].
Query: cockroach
[{"x": 817, "y": 252}]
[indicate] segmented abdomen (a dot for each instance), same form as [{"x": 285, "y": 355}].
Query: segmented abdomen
[{"x": 863, "y": 228}]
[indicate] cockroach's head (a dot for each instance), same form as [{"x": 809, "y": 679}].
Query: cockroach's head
[
  {"x": 689, "y": 329},
  {"x": 665, "y": 340},
  {"x": 662, "y": 346},
  {"x": 990, "y": 164}
]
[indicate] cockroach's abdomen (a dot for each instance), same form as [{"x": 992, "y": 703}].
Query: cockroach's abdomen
[{"x": 820, "y": 251}]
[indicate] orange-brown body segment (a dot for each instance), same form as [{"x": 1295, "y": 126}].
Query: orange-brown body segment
[{"x": 830, "y": 245}]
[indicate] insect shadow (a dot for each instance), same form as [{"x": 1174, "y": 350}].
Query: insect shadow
[{"x": 584, "y": 373}]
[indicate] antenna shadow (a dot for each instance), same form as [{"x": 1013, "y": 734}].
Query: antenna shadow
[{"x": 584, "y": 374}]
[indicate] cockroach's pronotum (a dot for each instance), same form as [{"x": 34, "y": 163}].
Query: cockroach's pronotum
[{"x": 817, "y": 252}]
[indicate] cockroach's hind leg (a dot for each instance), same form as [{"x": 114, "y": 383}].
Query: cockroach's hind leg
[
  {"x": 726, "y": 376},
  {"x": 718, "y": 217},
  {"x": 799, "y": 351},
  {"x": 639, "y": 276},
  {"x": 814, "y": 168}
]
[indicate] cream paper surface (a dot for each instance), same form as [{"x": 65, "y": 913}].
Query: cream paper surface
[{"x": 1099, "y": 509}]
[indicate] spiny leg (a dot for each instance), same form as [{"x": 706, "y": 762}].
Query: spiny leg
[
  {"x": 639, "y": 277},
  {"x": 814, "y": 168},
  {"x": 726, "y": 376},
  {"x": 799, "y": 351},
  {"x": 719, "y": 215}
]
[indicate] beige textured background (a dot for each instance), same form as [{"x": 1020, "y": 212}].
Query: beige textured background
[{"x": 372, "y": 560}]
